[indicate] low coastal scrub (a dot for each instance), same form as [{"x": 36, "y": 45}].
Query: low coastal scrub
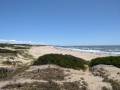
[
  {"x": 5, "y": 72},
  {"x": 32, "y": 86},
  {"x": 44, "y": 74},
  {"x": 7, "y": 51},
  {"x": 114, "y": 83},
  {"x": 3, "y": 45},
  {"x": 24, "y": 47},
  {"x": 66, "y": 61},
  {"x": 6, "y": 45},
  {"x": 50, "y": 85},
  {"x": 112, "y": 60},
  {"x": 7, "y": 62}
]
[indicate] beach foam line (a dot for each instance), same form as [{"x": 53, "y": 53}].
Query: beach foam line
[{"x": 90, "y": 51}]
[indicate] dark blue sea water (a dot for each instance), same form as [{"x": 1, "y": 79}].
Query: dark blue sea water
[{"x": 108, "y": 49}]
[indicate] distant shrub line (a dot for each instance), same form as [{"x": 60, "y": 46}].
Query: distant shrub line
[
  {"x": 7, "y": 51},
  {"x": 6, "y": 45},
  {"x": 67, "y": 61}
]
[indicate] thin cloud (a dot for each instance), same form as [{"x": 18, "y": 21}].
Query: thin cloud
[{"x": 19, "y": 42}]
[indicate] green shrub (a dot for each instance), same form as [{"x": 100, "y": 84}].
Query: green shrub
[
  {"x": 112, "y": 60},
  {"x": 66, "y": 61}
]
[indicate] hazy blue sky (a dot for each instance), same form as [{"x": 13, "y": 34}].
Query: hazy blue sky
[{"x": 64, "y": 22}]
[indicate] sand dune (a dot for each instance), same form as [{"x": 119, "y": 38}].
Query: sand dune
[{"x": 90, "y": 80}]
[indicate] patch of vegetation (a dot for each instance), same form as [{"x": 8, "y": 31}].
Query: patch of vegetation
[
  {"x": 33, "y": 86},
  {"x": 66, "y": 61},
  {"x": 50, "y": 85},
  {"x": 15, "y": 46},
  {"x": 44, "y": 74},
  {"x": 25, "y": 45},
  {"x": 114, "y": 83},
  {"x": 5, "y": 73},
  {"x": 12, "y": 63},
  {"x": 7, "y": 51},
  {"x": 25, "y": 54},
  {"x": 74, "y": 86},
  {"x": 7, "y": 62},
  {"x": 105, "y": 88},
  {"x": 6, "y": 45},
  {"x": 112, "y": 60},
  {"x": 18, "y": 47}
]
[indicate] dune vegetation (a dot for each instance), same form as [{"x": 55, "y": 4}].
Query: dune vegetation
[
  {"x": 7, "y": 51},
  {"x": 5, "y": 72},
  {"x": 15, "y": 67},
  {"x": 66, "y": 61},
  {"x": 111, "y": 60},
  {"x": 69, "y": 61}
]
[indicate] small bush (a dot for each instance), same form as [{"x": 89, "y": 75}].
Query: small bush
[
  {"x": 66, "y": 61},
  {"x": 112, "y": 60},
  {"x": 105, "y": 88},
  {"x": 76, "y": 85},
  {"x": 115, "y": 85}
]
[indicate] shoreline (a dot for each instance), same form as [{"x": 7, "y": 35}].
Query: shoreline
[
  {"x": 92, "y": 51},
  {"x": 37, "y": 51}
]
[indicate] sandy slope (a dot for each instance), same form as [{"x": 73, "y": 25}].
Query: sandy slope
[
  {"x": 37, "y": 51},
  {"x": 94, "y": 82}
]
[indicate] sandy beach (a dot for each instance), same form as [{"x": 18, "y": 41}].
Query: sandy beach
[
  {"x": 91, "y": 80},
  {"x": 37, "y": 51}
]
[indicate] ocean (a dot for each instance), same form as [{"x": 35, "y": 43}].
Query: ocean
[{"x": 107, "y": 49}]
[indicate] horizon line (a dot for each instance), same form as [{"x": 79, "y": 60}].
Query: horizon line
[{"x": 12, "y": 41}]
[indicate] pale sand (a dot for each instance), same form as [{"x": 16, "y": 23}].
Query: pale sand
[
  {"x": 94, "y": 82},
  {"x": 37, "y": 51}
]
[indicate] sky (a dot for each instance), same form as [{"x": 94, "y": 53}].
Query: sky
[{"x": 61, "y": 22}]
